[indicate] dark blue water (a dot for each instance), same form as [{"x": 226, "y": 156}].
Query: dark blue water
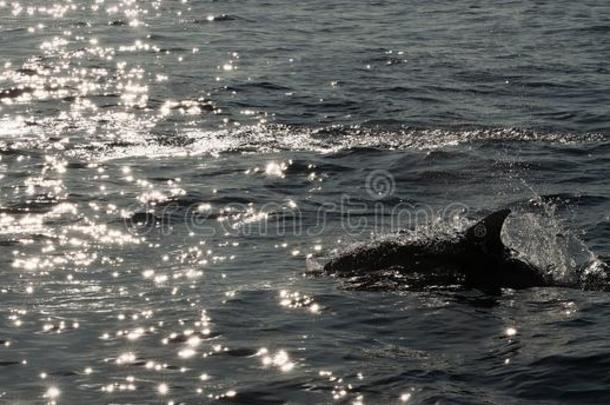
[{"x": 170, "y": 170}]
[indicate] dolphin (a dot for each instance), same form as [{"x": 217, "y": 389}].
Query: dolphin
[{"x": 475, "y": 258}]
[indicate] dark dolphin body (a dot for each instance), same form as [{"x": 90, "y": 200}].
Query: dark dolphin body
[{"x": 476, "y": 258}]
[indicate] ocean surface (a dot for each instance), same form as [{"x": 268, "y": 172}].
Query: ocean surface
[{"x": 171, "y": 171}]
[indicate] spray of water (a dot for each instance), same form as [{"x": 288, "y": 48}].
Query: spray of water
[{"x": 542, "y": 236}]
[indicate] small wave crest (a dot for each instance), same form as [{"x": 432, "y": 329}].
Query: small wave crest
[{"x": 275, "y": 138}]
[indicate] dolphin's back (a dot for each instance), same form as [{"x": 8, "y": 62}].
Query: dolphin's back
[
  {"x": 477, "y": 257},
  {"x": 393, "y": 254}
]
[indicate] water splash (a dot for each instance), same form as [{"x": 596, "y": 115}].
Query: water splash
[{"x": 543, "y": 237}]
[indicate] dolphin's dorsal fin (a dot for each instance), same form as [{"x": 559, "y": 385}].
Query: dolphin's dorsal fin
[{"x": 486, "y": 233}]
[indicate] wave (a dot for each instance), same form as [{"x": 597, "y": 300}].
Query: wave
[{"x": 327, "y": 140}]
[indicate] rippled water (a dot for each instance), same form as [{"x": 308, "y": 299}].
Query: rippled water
[{"x": 170, "y": 169}]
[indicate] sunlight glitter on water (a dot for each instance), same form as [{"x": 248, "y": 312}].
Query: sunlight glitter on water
[
  {"x": 280, "y": 359},
  {"x": 113, "y": 110},
  {"x": 295, "y": 300}
]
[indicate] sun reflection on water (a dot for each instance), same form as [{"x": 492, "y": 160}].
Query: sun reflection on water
[{"x": 101, "y": 128}]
